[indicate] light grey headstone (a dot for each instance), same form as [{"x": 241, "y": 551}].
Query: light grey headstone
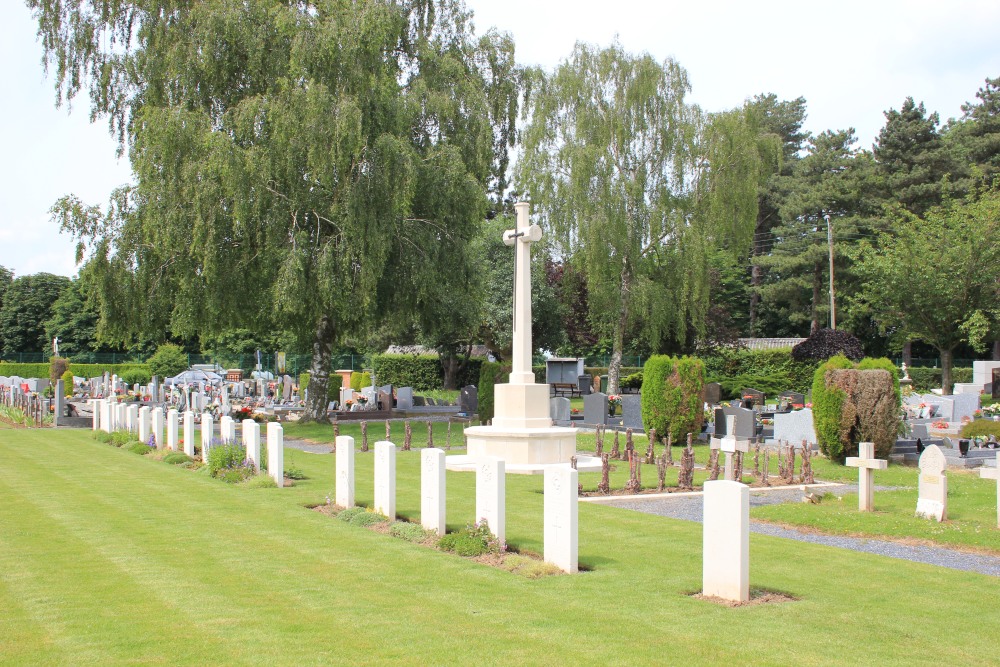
[
  {"x": 632, "y": 411},
  {"x": 595, "y": 409},
  {"x": 404, "y": 398},
  {"x": 559, "y": 409},
  {"x": 965, "y": 405},
  {"x": 60, "y": 402},
  {"x": 794, "y": 427}
]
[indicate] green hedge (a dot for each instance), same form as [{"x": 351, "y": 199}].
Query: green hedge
[
  {"x": 490, "y": 373},
  {"x": 925, "y": 379},
  {"x": 423, "y": 372},
  {"x": 79, "y": 370},
  {"x": 359, "y": 380},
  {"x": 673, "y": 394},
  {"x": 769, "y": 371}
]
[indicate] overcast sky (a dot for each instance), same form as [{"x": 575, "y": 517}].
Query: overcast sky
[{"x": 851, "y": 60}]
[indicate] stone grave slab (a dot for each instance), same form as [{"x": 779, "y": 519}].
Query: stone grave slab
[
  {"x": 632, "y": 411},
  {"x": 561, "y": 517},
  {"x": 713, "y": 393},
  {"x": 726, "y": 541},
  {"x": 250, "y": 432},
  {"x": 432, "y": 489},
  {"x": 595, "y": 409},
  {"x": 932, "y": 499},
  {"x": 491, "y": 495},
  {"x": 794, "y": 427},
  {"x": 746, "y": 423},
  {"x": 559, "y": 409},
  {"x": 345, "y": 471},
  {"x": 276, "y": 453},
  {"x": 468, "y": 400},
  {"x": 385, "y": 479}
]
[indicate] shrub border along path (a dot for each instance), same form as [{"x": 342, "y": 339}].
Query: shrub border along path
[{"x": 107, "y": 557}]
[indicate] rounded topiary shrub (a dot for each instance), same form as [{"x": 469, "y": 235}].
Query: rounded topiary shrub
[
  {"x": 673, "y": 395},
  {"x": 137, "y": 376},
  {"x": 360, "y": 380},
  {"x": 168, "y": 361},
  {"x": 852, "y": 405}
]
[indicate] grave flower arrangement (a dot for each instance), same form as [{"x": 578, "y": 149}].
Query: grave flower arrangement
[
  {"x": 614, "y": 400},
  {"x": 362, "y": 400}
]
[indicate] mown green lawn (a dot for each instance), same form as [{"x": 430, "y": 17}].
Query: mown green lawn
[{"x": 107, "y": 557}]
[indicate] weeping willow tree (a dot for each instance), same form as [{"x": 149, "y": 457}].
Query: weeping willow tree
[
  {"x": 639, "y": 186},
  {"x": 314, "y": 166}
]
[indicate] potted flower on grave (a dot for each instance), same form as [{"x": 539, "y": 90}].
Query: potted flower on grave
[
  {"x": 362, "y": 401},
  {"x": 614, "y": 400},
  {"x": 348, "y": 403}
]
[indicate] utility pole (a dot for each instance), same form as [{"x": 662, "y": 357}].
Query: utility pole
[{"x": 829, "y": 240}]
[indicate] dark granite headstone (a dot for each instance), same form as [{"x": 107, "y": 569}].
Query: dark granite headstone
[
  {"x": 418, "y": 401},
  {"x": 746, "y": 425},
  {"x": 996, "y": 384},
  {"x": 468, "y": 400},
  {"x": 595, "y": 409},
  {"x": 632, "y": 411},
  {"x": 793, "y": 397},
  {"x": 713, "y": 393},
  {"x": 752, "y": 397}
]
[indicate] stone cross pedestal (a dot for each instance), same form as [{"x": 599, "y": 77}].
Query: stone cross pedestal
[
  {"x": 993, "y": 473},
  {"x": 344, "y": 492},
  {"x": 726, "y": 541},
  {"x": 561, "y": 517},
  {"x": 932, "y": 499},
  {"x": 385, "y": 479},
  {"x": 432, "y": 490},
  {"x": 251, "y": 442},
  {"x": 491, "y": 495},
  {"x": 276, "y": 453},
  {"x": 866, "y": 463},
  {"x": 189, "y": 433}
]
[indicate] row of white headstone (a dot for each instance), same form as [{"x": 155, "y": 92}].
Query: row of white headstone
[
  {"x": 148, "y": 425},
  {"x": 561, "y": 518}
]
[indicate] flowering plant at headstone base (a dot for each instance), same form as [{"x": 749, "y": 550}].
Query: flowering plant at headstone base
[
  {"x": 940, "y": 424},
  {"x": 362, "y": 399},
  {"x": 614, "y": 400}
]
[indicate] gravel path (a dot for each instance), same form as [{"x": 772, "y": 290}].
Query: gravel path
[{"x": 689, "y": 508}]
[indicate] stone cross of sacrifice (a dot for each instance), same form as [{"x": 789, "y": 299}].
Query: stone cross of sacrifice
[
  {"x": 993, "y": 473},
  {"x": 866, "y": 462},
  {"x": 730, "y": 445},
  {"x": 526, "y": 234}
]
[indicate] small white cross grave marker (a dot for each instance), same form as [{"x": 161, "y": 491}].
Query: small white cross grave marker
[
  {"x": 993, "y": 473},
  {"x": 729, "y": 444},
  {"x": 866, "y": 462}
]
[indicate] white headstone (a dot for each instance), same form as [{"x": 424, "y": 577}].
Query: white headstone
[
  {"x": 561, "y": 531},
  {"x": 172, "y": 429},
  {"x": 726, "y": 541},
  {"x": 559, "y": 409},
  {"x": 345, "y": 471},
  {"x": 993, "y": 473},
  {"x": 132, "y": 418},
  {"x": 866, "y": 462},
  {"x": 385, "y": 479},
  {"x": 145, "y": 423},
  {"x": 276, "y": 453},
  {"x": 158, "y": 427},
  {"x": 189, "y": 433},
  {"x": 932, "y": 499},
  {"x": 95, "y": 420},
  {"x": 432, "y": 489},
  {"x": 251, "y": 442},
  {"x": 207, "y": 428},
  {"x": 121, "y": 416},
  {"x": 227, "y": 430},
  {"x": 491, "y": 495}
]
